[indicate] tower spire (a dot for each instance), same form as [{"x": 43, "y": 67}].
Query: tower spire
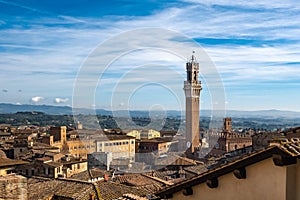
[{"x": 193, "y": 58}]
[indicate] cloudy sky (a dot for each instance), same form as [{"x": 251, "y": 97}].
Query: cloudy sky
[{"x": 254, "y": 45}]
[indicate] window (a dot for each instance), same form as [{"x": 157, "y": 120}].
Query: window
[
  {"x": 78, "y": 166},
  {"x": 46, "y": 171}
]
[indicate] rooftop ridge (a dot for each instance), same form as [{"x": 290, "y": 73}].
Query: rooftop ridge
[{"x": 160, "y": 180}]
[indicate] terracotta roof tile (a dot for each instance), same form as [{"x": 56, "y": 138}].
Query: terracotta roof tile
[
  {"x": 111, "y": 190},
  {"x": 44, "y": 189},
  {"x": 290, "y": 146}
]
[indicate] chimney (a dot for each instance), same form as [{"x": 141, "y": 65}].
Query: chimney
[
  {"x": 105, "y": 176},
  {"x": 92, "y": 197}
]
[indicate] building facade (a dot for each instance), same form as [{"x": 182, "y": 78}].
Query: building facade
[
  {"x": 271, "y": 174},
  {"x": 144, "y": 134},
  {"x": 121, "y": 146}
]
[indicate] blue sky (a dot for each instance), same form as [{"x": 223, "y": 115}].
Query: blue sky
[{"x": 255, "y": 46}]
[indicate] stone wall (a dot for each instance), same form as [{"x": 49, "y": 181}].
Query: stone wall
[{"x": 13, "y": 187}]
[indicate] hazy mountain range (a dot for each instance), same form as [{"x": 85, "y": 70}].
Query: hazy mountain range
[{"x": 66, "y": 110}]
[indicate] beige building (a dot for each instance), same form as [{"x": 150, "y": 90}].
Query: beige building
[
  {"x": 144, "y": 134},
  {"x": 8, "y": 165},
  {"x": 70, "y": 143},
  {"x": 121, "y": 146},
  {"x": 150, "y": 134},
  {"x": 59, "y": 134},
  {"x": 134, "y": 133},
  {"x": 46, "y": 167},
  {"x": 269, "y": 174},
  {"x": 157, "y": 145},
  {"x": 80, "y": 148},
  {"x": 192, "y": 88},
  {"x": 73, "y": 166}
]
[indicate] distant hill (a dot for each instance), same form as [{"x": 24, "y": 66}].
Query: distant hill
[
  {"x": 66, "y": 110},
  {"x": 264, "y": 114},
  {"x": 55, "y": 110}
]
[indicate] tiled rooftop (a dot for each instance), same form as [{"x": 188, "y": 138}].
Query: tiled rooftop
[
  {"x": 88, "y": 175},
  {"x": 44, "y": 189},
  {"x": 291, "y": 146},
  {"x": 111, "y": 190},
  {"x": 197, "y": 169},
  {"x": 137, "y": 185},
  {"x": 140, "y": 181}
]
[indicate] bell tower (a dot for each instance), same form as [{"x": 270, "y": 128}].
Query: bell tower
[{"x": 192, "y": 88}]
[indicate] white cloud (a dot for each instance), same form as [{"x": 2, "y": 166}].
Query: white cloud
[
  {"x": 37, "y": 99},
  {"x": 61, "y": 100}
]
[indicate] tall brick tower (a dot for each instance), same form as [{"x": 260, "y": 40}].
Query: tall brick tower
[{"x": 192, "y": 88}]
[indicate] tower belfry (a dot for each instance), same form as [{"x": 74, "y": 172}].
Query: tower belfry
[{"x": 192, "y": 88}]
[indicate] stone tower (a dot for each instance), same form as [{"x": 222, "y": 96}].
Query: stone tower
[
  {"x": 192, "y": 88},
  {"x": 227, "y": 125}
]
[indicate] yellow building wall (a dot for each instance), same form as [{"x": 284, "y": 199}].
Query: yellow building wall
[
  {"x": 264, "y": 181},
  {"x": 134, "y": 133},
  {"x": 80, "y": 148},
  {"x": 119, "y": 148},
  {"x": 3, "y": 172},
  {"x": 77, "y": 168},
  {"x": 150, "y": 134},
  {"x": 153, "y": 134}
]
